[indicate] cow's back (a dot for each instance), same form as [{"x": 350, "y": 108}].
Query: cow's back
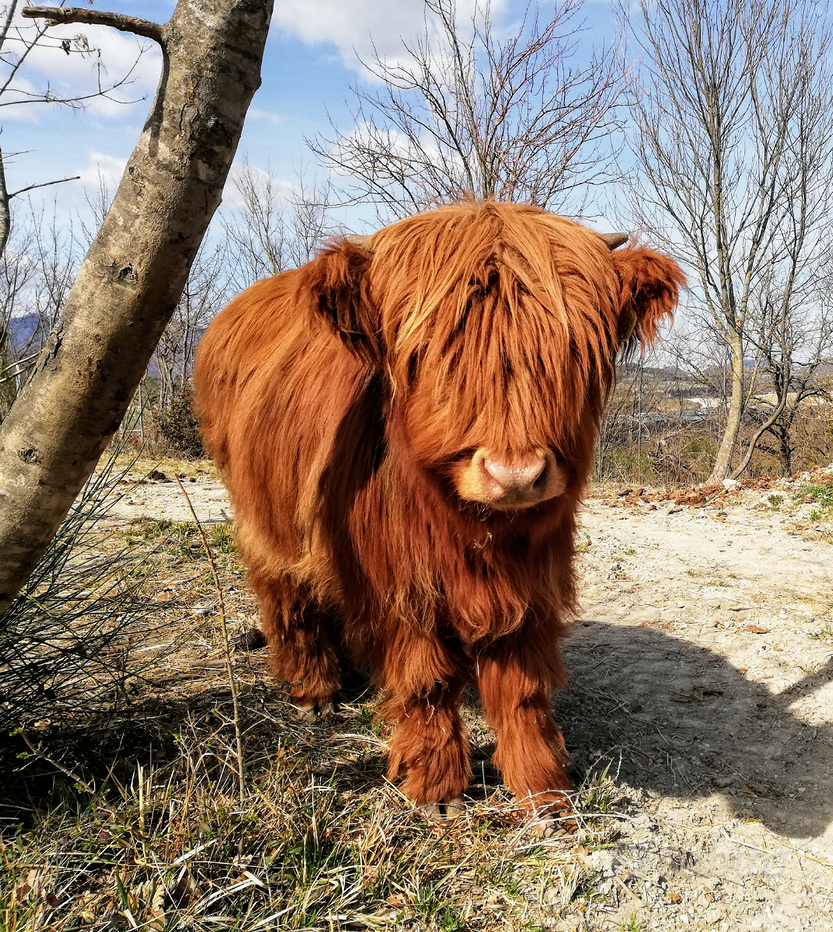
[{"x": 273, "y": 383}]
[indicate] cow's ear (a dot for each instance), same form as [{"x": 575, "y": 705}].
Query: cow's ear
[
  {"x": 650, "y": 286},
  {"x": 337, "y": 283}
]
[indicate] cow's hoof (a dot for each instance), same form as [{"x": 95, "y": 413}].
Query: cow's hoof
[
  {"x": 443, "y": 812},
  {"x": 545, "y": 828},
  {"x": 253, "y": 639},
  {"x": 312, "y": 712},
  {"x": 557, "y": 826}
]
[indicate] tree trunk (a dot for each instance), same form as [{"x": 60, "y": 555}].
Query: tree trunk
[
  {"x": 133, "y": 275},
  {"x": 723, "y": 462},
  {"x": 5, "y": 214}
]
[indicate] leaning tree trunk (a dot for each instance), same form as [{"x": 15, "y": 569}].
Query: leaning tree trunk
[{"x": 134, "y": 273}]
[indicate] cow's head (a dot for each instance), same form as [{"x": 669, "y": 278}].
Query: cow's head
[{"x": 497, "y": 326}]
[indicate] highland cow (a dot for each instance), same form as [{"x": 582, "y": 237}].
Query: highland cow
[{"x": 406, "y": 427}]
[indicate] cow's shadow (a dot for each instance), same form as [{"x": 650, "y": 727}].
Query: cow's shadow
[{"x": 679, "y": 720}]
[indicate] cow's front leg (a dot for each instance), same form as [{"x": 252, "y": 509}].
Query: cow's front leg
[
  {"x": 423, "y": 676},
  {"x": 517, "y": 676},
  {"x": 301, "y": 642}
]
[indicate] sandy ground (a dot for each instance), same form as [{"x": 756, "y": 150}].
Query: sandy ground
[
  {"x": 703, "y": 669},
  {"x": 702, "y": 676}
]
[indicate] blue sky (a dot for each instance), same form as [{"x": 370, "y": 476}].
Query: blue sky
[{"x": 309, "y": 64}]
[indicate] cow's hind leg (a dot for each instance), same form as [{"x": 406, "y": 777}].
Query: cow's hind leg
[
  {"x": 517, "y": 676},
  {"x": 422, "y": 677},
  {"x": 302, "y": 643}
]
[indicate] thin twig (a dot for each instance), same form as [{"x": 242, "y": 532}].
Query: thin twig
[
  {"x": 49, "y": 760},
  {"x": 44, "y": 184},
  {"x": 226, "y": 650}
]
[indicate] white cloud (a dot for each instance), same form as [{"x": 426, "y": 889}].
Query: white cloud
[
  {"x": 358, "y": 26},
  {"x": 349, "y": 25},
  {"x": 264, "y": 115},
  {"x": 108, "y": 168},
  {"x": 20, "y": 113}
]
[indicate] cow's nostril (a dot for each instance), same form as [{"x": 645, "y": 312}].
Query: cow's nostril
[{"x": 516, "y": 474}]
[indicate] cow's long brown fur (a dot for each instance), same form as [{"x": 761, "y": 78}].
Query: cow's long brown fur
[{"x": 475, "y": 326}]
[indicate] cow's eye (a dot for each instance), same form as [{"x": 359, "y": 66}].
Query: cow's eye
[{"x": 413, "y": 365}]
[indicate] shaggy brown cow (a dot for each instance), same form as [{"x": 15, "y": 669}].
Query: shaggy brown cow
[{"x": 405, "y": 430}]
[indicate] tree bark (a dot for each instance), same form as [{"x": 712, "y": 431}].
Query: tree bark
[
  {"x": 133, "y": 275},
  {"x": 5, "y": 214},
  {"x": 723, "y": 462}
]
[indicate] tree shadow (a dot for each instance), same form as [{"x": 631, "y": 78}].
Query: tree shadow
[
  {"x": 675, "y": 718},
  {"x": 685, "y": 722},
  {"x": 190, "y": 736}
]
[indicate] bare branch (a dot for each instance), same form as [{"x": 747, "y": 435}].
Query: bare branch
[
  {"x": 43, "y": 184},
  {"x": 56, "y": 16}
]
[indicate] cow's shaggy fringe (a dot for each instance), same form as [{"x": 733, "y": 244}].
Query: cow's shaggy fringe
[{"x": 345, "y": 402}]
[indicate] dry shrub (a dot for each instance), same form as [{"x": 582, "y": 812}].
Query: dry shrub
[
  {"x": 64, "y": 641},
  {"x": 673, "y": 452},
  {"x": 177, "y": 427}
]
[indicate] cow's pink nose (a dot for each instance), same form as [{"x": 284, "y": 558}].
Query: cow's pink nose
[{"x": 516, "y": 475}]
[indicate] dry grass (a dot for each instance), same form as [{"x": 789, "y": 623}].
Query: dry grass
[
  {"x": 134, "y": 820},
  {"x": 320, "y": 840}
]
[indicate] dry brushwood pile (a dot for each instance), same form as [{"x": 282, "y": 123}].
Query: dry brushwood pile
[{"x": 698, "y": 721}]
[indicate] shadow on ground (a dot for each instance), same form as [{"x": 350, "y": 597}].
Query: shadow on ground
[
  {"x": 674, "y": 718},
  {"x": 684, "y": 722}
]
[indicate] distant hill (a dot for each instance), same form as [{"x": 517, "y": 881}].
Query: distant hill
[
  {"x": 663, "y": 374},
  {"x": 23, "y": 330}
]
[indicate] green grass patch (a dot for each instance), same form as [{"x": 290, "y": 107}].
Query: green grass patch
[
  {"x": 180, "y": 540},
  {"x": 161, "y": 839},
  {"x": 821, "y": 493}
]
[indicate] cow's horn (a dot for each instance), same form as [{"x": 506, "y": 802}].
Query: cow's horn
[
  {"x": 614, "y": 240},
  {"x": 357, "y": 240}
]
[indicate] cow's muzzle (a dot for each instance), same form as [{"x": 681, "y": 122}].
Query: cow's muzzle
[{"x": 511, "y": 481}]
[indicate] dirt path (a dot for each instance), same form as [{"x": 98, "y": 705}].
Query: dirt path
[
  {"x": 703, "y": 670},
  {"x": 702, "y": 676}
]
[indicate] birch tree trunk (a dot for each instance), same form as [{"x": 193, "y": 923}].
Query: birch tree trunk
[
  {"x": 729, "y": 441},
  {"x": 135, "y": 270}
]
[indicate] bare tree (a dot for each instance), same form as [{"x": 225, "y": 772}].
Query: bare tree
[
  {"x": 794, "y": 346},
  {"x": 275, "y": 226},
  {"x": 465, "y": 112},
  {"x": 133, "y": 275},
  {"x": 205, "y": 294},
  {"x": 36, "y": 275},
  {"x": 56, "y": 254},
  {"x": 18, "y": 39},
  {"x": 308, "y": 220},
  {"x": 732, "y": 103},
  {"x": 17, "y": 275}
]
